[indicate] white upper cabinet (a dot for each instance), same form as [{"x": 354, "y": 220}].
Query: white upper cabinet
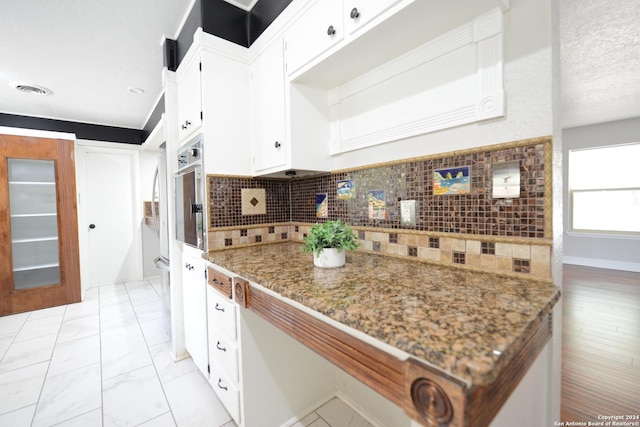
[
  {"x": 289, "y": 126},
  {"x": 213, "y": 99},
  {"x": 320, "y": 28},
  {"x": 268, "y": 124},
  {"x": 225, "y": 106},
  {"x": 360, "y": 12},
  {"x": 189, "y": 99}
]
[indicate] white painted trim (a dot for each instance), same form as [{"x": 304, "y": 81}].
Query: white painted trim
[
  {"x": 36, "y": 133},
  {"x": 602, "y": 263},
  {"x": 242, "y": 6},
  {"x": 607, "y": 236}
]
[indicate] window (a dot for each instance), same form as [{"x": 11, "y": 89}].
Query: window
[{"x": 604, "y": 189}]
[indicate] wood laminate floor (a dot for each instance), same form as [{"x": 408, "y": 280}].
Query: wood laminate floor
[{"x": 601, "y": 344}]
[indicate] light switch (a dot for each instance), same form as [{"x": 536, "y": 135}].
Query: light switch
[{"x": 408, "y": 212}]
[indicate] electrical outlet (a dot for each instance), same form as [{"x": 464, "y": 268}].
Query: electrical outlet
[{"x": 408, "y": 212}]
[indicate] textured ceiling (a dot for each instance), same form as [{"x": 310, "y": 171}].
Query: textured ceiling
[
  {"x": 600, "y": 60},
  {"x": 89, "y": 52}
]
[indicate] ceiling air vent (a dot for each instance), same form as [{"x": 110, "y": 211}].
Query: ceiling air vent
[{"x": 33, "y": 89}]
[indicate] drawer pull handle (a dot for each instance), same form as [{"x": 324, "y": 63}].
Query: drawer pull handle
[
  {"x": 331, "y": 31},
  {"x": 220, "y": 348},
  {"x": 221, "y": 386},
  {"x": 354, "y": 13},
  {"x": 219, "y": 308},
  {"x": 216, "y": 282}
]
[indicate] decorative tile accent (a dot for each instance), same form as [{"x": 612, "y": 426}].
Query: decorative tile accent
[
  {"x": 254, "y": 201},
  {"x": 488, "y": 248},
  {"x": 459, "y": 258},
  {"x": 521, "y": 266},
  {"x": 225, "y": 201},
  {"x": 441, "y": 221},
  {"x": 474, "y": 214}
]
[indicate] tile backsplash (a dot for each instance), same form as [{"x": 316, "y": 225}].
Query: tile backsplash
[{"x": 471, "y": 230}]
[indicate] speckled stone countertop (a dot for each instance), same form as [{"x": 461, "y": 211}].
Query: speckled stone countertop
[{"x": 466, "y": 323}]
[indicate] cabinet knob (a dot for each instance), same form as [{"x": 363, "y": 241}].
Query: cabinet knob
[
  {"x": 331, "y": 31},
  {"x": 92, "y": 226},
  {"x": 277, "y": 144},
  {"x": 354, "y": 13}
]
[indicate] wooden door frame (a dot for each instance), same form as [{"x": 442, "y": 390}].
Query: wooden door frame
[
  {"x": 83, "y": 148},
  {"x": 69, "y": 289}
]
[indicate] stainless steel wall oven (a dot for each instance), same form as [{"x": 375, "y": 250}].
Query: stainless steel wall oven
[{"x": 189, "y": 186}]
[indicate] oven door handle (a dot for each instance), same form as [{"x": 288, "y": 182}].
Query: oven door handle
[{"x": 196, "y": 208}]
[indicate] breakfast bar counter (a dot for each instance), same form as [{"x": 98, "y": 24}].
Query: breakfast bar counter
[{"x": 477, "y": 331}]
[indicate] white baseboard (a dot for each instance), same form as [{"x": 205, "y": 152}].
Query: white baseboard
[{"x": 602, "y": 263}]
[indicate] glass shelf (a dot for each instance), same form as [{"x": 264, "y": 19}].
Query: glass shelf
[
  {"x": 37, "y": 267},
  {"x": 35, "y": 239},
  {"x": 33, "y": 215},
  {"x": 31, "y": 183}
]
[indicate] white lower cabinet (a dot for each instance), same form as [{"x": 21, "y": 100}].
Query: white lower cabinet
[
  {"x": 223, "y": 348},
  {"x": 224, "y": 352},
  {"x": 227, "y": 392},
  {"x": 195, "y": 307}
]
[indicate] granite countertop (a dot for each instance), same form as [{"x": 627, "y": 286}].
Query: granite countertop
[{"x": 469, "y": 324}]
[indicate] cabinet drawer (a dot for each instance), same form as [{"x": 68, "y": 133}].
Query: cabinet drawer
[
  {"x": 219, "y": 281},
  {"x": 226, "y": 392},
  {"x": 224, "y": 353},
  {"x": 358, "y": 13},
  {"x": 222, "y": 313}
]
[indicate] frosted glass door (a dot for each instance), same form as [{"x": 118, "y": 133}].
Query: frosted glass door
[{"x": 34, "y": 225}]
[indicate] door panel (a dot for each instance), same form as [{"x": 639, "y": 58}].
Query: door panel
[
  {"x": 113, "y": 236},
  {"x": 38, "y": 224}
]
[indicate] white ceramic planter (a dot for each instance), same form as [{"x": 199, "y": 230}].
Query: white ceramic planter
[{"x": 329, "y": 258}]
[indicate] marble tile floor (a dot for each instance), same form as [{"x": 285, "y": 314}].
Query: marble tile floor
[{"x": 105, "y": 362}]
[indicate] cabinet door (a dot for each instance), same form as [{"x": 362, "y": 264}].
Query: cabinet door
[
  {"x": 359, "y": 12},
  {"x": 225, "y": 105},
  {"x": 194, "y": 296},
  {"x": 316, "y": 31},
  {"x": 38, "y": 224},
  {"x": 268, "y": 127},
  {"x": 189, "y": 100}
]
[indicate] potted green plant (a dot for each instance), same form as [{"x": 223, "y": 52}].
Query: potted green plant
[{"x": 328, "y": 242}]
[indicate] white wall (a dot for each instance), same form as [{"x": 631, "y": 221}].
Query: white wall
[{"x": 604, "y": 251}]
